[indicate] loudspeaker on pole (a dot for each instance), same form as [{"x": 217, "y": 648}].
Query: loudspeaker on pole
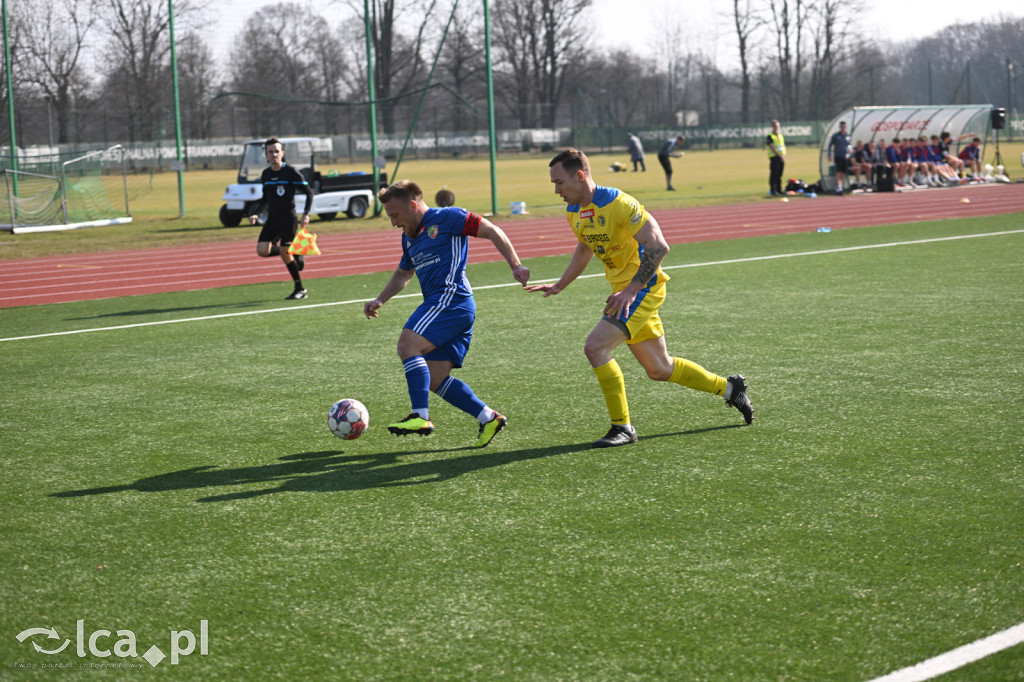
[{"x": 998, "y": 118}]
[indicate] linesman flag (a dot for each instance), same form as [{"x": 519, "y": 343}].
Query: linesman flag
[{"x": 304, "y": 244}]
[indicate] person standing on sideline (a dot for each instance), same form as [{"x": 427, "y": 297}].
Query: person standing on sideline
[
  {"x": 665, "y": 153},
  {"x": 280, "y": 182},
  {"x": 629, "y": 242},
  {"x": 840, "y": 144},
  {"x": 436, "y": 337},
  {"x": 776, "y": 159},
  {"x": 636, "y": 152}
]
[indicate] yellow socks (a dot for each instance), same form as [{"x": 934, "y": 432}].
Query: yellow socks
[
  {"x": 609, "y": 376},
  {"x": 691, "y": 375}
]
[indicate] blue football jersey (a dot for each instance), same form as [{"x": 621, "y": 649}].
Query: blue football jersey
[{"x": 438, "y": 253}]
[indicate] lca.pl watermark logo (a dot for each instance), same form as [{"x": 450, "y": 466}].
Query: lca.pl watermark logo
[{"x": 98, "y": 643}]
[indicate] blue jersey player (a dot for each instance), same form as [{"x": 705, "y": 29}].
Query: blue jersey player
[{"x": 436, "y": 337}]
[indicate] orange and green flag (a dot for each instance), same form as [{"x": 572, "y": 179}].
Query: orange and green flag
[{"x": 304, "y": 244}]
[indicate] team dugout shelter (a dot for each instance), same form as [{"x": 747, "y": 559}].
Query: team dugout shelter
[{"x": 871, "y": 124}]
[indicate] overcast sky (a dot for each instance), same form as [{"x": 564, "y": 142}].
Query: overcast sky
[{"x": 635, "y": 24}]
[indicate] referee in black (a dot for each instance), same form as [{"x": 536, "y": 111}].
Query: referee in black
[{"x": 280, "y": 182}]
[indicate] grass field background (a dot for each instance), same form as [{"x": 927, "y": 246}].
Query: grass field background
[
  {"x": 872, "y": 517},
  {"x": 701, "y": 178}
]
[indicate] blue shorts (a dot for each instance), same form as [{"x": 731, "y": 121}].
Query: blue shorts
[{"x": 449, "y": 329}]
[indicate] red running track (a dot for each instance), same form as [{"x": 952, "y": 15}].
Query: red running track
[{"x": 33, "y": 281}]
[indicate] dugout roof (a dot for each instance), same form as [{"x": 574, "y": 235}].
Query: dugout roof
[{"x": 870, "y": 124}]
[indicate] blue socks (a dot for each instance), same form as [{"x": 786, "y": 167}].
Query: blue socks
[
  {"x": 459, "y": 394},
  {"x": 454, "y": 391},
  {"x": 417, "y": 376}
]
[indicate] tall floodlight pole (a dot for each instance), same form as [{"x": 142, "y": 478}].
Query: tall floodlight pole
[
  {"x": 177, "y": 112},
  {"x": 10, "y": 100},
  {"x": 1009, "y": 93},
  {"x": 372, "y": 95},
  {"x": 490, "y": 108}
]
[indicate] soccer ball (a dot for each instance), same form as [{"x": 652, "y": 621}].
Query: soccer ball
[{"x": 348, "y": 419}]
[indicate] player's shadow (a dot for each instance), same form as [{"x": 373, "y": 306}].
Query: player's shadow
[
  {"x": 329, "y": 471},
  {"x": 180, "y": 309},
  {"x": 213, "y": 227},
  {"x": 693, "y": 432}
]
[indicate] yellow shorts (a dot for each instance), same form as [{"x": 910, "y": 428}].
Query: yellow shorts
[{"x": 643, "y": 322}]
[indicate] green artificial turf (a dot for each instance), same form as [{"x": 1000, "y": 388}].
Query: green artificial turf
[{"x": 159, "y": 475}]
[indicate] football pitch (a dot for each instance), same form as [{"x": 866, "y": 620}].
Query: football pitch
[{"x": 170, "y": 484}]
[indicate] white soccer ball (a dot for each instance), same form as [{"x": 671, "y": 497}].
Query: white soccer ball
[{"x": 348, "y": 418}]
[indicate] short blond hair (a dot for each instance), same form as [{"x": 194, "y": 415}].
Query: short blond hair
[{"x": 405, "y": 190}]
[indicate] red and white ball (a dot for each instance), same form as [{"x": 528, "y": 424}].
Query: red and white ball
[{"x": 348, "y": 418}]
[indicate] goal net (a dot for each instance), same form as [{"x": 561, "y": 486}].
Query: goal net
[{"x": 49, "y": 194}]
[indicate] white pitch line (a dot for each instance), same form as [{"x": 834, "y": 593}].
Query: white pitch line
[
  {"x": 496, "y": 286},
  {"x": 957, "y": 658}
]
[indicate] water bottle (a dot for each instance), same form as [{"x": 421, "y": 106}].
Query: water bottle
[{"x": 825, "y": 229}]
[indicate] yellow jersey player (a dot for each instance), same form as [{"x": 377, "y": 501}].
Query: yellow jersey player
[{"x": 617, "y": 229}]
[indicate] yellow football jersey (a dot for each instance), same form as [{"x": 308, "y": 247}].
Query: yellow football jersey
[{"x": 607, "y": 226}]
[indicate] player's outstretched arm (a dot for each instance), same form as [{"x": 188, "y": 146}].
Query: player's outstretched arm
[
  {"x": 503, "y": 244},
  {"x": 399, "y": 278},
  {"x": 580, "y": 258}
]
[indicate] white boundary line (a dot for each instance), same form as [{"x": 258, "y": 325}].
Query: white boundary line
[
  {"x": 957, "y": 658},
  {"x": 496, "y": 286}
]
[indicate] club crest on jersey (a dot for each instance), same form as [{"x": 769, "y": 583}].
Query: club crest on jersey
[
  {"x": 600, "y": 220},
  {"x": 280, "y": 191},
  {"x": 599, "y": 249},
  {"x": 589, "y": 213},
  {"x": 432, "y": 231}
]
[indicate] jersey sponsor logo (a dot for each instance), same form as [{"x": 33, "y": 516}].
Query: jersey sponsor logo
[
  {"x": 589, "y": 213},
  {"x": 432, "y": 231},
  {"x": 591, "y": 238},
  {"x": 599, "y": 249},
  {"x": 425, "y": 260}
]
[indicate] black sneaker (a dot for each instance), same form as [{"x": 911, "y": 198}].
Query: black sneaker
[
  {"x": 618, "y": 435},
  {"x": 296, "y": 295},
  {"x": 739, "y": 398},
  {"x": 300, "y": 260}
]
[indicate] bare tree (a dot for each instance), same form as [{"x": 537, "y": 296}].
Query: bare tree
[
  {"x": 398, "y": 64},
  {"x": 788, "y": 19},
  {"x": 463, "y": 64},
  {"x": 631, "y": 104},
  {"x": 678, "y": 66},
  {"x": 138, "y": 57},
  {"x": 294, "y": 62},
  {"x": 834, "y": 46},
  {"x": 540, "y": 42},
  {"x": 327, "y": 52},
  {"x": 515, "y": 40},
  {"x": 197, "y": 83},
  {"x": 51, "y": 41},
  {"x": 746, "y": 23}
]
